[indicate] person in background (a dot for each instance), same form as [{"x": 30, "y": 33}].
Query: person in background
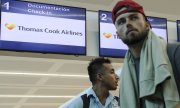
[
  {"x": 147, "y": 79},
  {"x": 103, "y": 78}
]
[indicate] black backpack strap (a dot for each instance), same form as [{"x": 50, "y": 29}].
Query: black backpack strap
[
  {"x": 117, "y": 99},
  {"x": 174, "y": 57},
  {"x": 86, "y": 100}
]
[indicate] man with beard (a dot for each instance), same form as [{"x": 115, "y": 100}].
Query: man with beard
[{"x": 147, "y": 79}]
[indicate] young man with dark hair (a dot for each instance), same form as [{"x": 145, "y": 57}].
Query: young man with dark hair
[
  {"x": 147, "y": 79},
  {"x": 103, "y": 78}
]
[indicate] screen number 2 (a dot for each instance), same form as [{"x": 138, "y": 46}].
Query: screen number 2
[{"x": 104, "y": 17}]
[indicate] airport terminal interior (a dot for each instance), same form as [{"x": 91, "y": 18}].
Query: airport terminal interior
[{"x": 31, "y": 79}]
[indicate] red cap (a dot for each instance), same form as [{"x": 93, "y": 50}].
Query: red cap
[{"x": 129, "y": 5}]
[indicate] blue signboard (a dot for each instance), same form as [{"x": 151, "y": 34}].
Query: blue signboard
[{"x": 46, "y": 28}]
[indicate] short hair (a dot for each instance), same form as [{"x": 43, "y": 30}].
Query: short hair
[{"x": 96, "y": 66}]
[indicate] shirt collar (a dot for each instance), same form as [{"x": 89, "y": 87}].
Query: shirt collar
[{"x": 91, "y": 93}]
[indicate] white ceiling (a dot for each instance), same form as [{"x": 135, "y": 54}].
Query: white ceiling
[{"x": 33, "y": 80}]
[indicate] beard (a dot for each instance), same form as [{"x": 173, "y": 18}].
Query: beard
[{"x": 136, "y": 39}]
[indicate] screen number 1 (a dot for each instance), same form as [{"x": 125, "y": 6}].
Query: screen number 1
[{"x": 6, "y": 5}]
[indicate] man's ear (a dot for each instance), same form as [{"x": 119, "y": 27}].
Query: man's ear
[
  {"x": 148, "y": 25},
  {"x": 99, "y": 76}
]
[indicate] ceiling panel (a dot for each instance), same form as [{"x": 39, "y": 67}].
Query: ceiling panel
[
  {"x": 13, "y": 91},
  {"x": 59, "y": 92},
  {"x": 6, "y": 106},
  {"x": 39, "y": 106},
  {"x": 168, "y": 6},
  {"x": 24, "y": 65},
  {"x": 71, "y": 68},
  {"x": 8, "y": 100},
  {"x": 100, "y": 2},
  {"x": 47, "y": 100},
  {"x": 79, "y": 82},
  {"x": 18, "y": 80}
]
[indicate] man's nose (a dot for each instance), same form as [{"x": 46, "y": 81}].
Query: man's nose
[
  {"x": 117, "y": 77},
  {"x": 128, "y": 23}
]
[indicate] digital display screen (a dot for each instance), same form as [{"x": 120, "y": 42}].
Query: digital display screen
[
  {"x": 46, "y": 28},
  {"x": 178, "y": 30},
  {"x": 159, "y": 26},
  {"x": 111, "y": 45}
]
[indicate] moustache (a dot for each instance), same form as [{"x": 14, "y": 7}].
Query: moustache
[{"x": 131, "y": 29}]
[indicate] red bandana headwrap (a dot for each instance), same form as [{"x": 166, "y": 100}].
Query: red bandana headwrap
[{"x": 129, "y": 5}]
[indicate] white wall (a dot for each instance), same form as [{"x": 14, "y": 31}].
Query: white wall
[
  {"x": 92, "y": 33},
  {"x": 172, "y": 31}
]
